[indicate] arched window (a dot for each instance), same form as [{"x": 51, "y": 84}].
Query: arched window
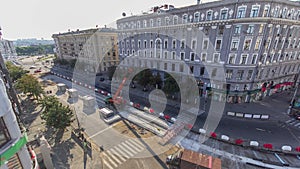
[{"x": 175, "y": 19}]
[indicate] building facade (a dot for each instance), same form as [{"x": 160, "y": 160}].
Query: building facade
[
  {"x": 94, "y": 49},
  {"x": 238, "y": 51},
  {"x": 13, "y": 149},
  {"x": 7, "y": 49}
]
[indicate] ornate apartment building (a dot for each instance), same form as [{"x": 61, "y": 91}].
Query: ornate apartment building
[
  {"x": 238, "y": 50},
  {"x": 94, "y": 49}
]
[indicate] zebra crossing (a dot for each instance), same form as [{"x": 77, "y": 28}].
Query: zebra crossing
[
  {"x": 120, "y": 153},
  {"x": 293, "y": 122}
]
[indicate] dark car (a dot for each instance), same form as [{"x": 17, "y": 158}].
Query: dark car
[{"x": 101, "y": 79}]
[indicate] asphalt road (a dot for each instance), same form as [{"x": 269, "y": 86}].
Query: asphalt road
[{"x": 269, "y": 131}]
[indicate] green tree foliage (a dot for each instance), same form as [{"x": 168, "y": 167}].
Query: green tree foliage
[
  {"x": 170, "y": 85},
  {"x": 145, "y": 77},
  {"x": 35, "y": 50},
  {"x": 15, "y": 72},
  {"x": 29, "y": 84},
  {"x": 55, "y": 114},
  {"x": 110, "y": 71},
  {"x": 157, "y": 80}
]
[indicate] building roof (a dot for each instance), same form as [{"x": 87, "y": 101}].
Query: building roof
[{"x": 201, "y": 159}]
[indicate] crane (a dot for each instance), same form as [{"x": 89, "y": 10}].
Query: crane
[{"x": 116, "y": 99}]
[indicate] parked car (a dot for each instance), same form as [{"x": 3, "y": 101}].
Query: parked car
[
  {"x": 102, "y": 79},
  {"x": 37, "y": 71}
]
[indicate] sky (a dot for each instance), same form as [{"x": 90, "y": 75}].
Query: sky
[{"x": 21, "y": 19}]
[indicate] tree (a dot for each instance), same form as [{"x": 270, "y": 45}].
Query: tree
[
  {"x": 55, "y": 114},
  {"x": 15, "y": 72},
  {"x": 145, "y": 77},
  {"x": 170, "y": 85},
  {"x": 29, "y": 84},
  {"x": 157, "y": 80},
  {"x": 110, "y": 71}
]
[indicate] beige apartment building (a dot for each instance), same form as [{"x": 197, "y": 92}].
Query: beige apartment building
[{"x": 94, "y": 49}]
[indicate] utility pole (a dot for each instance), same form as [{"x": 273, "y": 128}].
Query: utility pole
[{"x": 294, "y": 95}]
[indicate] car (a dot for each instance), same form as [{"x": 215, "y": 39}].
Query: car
[
  {"x": 32, "y": 67},
  {"x": 101, "y": 79},
  {"x": 37, "y": 71}
]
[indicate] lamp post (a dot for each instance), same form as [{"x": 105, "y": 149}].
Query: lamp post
[{"x": 294, "y": 95}]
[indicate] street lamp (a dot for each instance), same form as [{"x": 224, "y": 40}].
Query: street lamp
[{"x": 295, "y": 93}]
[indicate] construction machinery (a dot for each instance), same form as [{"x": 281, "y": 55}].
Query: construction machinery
[{"x": 116, "y": 99}]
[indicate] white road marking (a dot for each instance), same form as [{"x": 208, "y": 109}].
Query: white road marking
[
  {"x": 136, "y": 143},
  {"x": 290, "y": 120},
  {"x": 118, "y": 154},
  {"x": 129, "y": 148},
  {"x": 109, "y": 159},
  {"x": 108, "y": 165},
  {"x": 99, "y": 132},
  {"x": 122, "y": 153},
  {"x": 132, "y": 146},
  {"x": 294, "y": 122},
  {"x": 297, "y": 124},
  {"x": 114, "y": 157},
  {"x": 125, "y": 151}
]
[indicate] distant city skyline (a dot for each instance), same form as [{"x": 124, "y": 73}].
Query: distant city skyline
[{"x": 41, "y": 19}]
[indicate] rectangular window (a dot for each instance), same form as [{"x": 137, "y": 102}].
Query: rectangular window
[
  {"x": 254, "y": 58},
  {"x": 214, "y": 72},
  {"x": 192, "y": 69},
  {"x": 165, "y": 55},
  {"x": 218, "y": 44},
  {"x": 205, "y": 44},
  {"x": 194, "y": 42},
  {"x": 243, "y": 59},
  {"x": 249, "y": 76},
  {"x": 241, "y": 12},
  {"x": 266, "y": 11},
  {"x": 202, "y": 71},
  {"x": 203, "y": 57},
  {"x": 216, "y": 58},
  {"x": 221, "y": 30},
  {"x": 192, "y": 58},
  {"x": 257, "y": 44},
  {"x": 231, "y": 59},
  {"x": 237, "y": 29},
  {"x": 234, "y": 44},
  {"x": 151, "y": 23},
  {"x": 173, "y": 67},
  {"x": 254, "y": 11},
  {"x": 224, "y": 14},
  {"x": 229, "y": 73},
  {"x": 240, "y": 75},
  {"x": 247, "y": 44},
  {"x": 166, "y": 66},
  {"x": 182, "y": 56},
  {"x": 250, "y": 29},
  {"x": 261, "y": 29}
]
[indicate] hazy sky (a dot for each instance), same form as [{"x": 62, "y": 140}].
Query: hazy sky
[{"x": 41, "y": 18}]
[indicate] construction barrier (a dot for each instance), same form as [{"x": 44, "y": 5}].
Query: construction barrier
[{"x": 248, "y": 115}]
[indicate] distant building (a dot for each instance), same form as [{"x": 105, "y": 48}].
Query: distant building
[
  {"x": 7, "y": 49},
  {"x": 252, "y": 45},
  {"x": 13, "y": 150},
  {"x": 94, "y": 49}
]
